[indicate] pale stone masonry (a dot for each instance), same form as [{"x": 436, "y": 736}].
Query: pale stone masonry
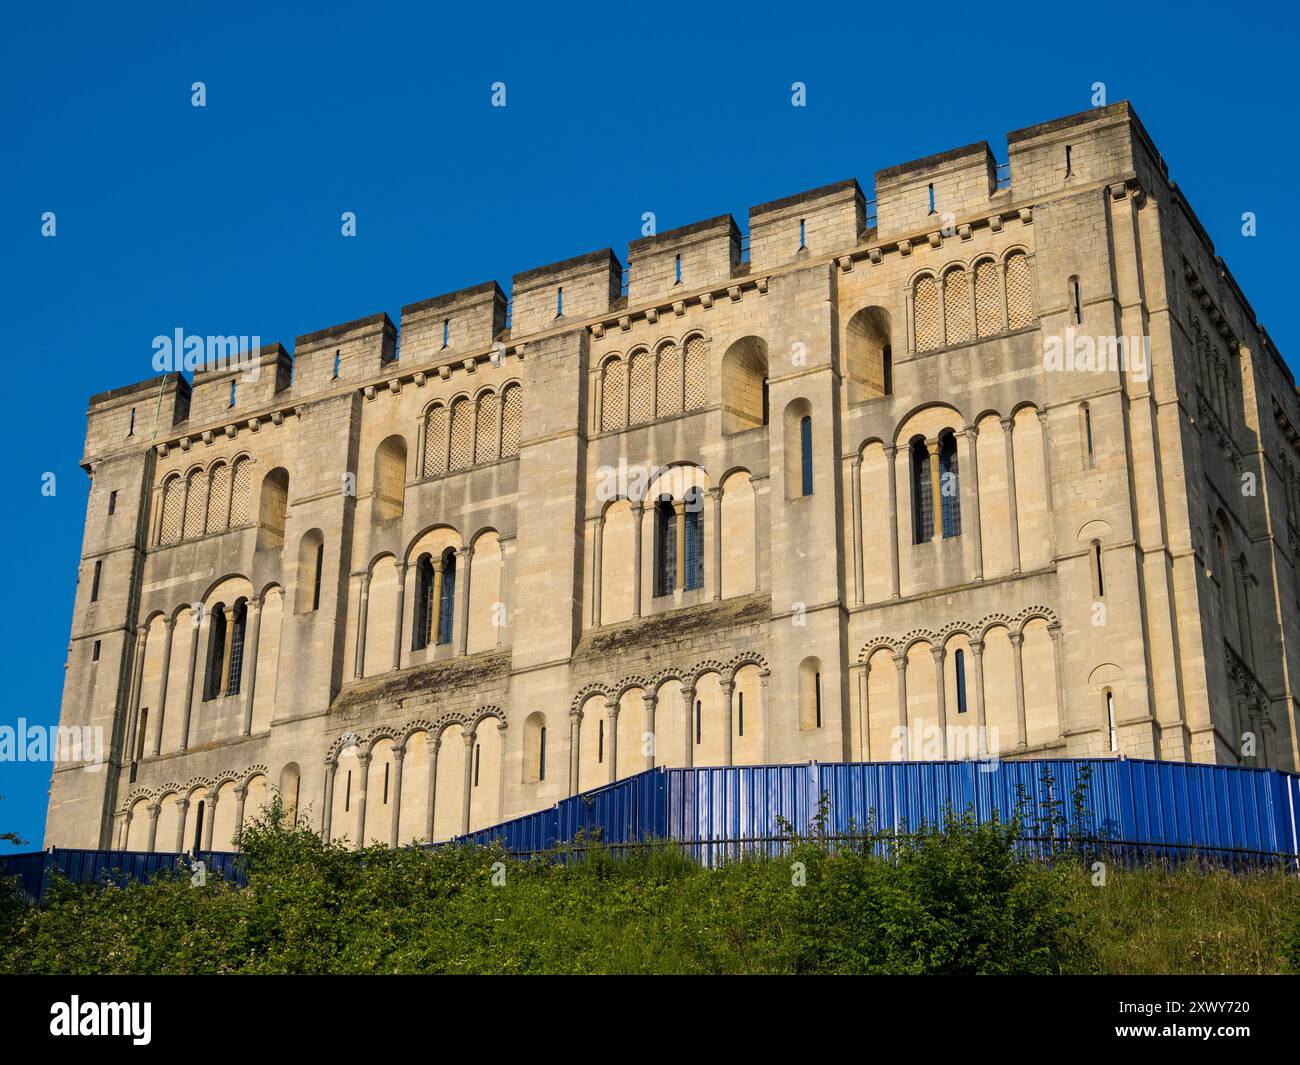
[{"x": 838, "y": 498}]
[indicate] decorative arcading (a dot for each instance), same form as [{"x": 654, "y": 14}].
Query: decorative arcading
[
  {"x": 241, "y": 777},
  {"x": 401, "y": 735},
  {"x": 688, "y": 678},
  {"x": 974, "y": 630}
]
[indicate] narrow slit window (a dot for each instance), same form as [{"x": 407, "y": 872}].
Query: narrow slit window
[
  {"x": 803, "y": 235},
  {"x": 320, "y": 565},
  {"x": 699, "y": 714},
  {"x": 678, "y": 269},
  {"x": 144, "y": 727},
  {"x": 446, "y": 332},
  {"x": 94, "y": 652},
  {"x": 338, "y": 359},
  {"x": 1111, "y": 730},
  {"x": 805, "y": 454},
  {"x": 233, "y": 385},
  {"x": 1087, "y": 435},
  {"x": 959, "y": 668},
  {"x": 386, "y": 767},
  {"x": 541, "y": 755},
  {"x": 1098, "y": 575},
  {"x": 94, "y": 582},
  {"x": 1078, "y": 301},
  {"x": 131, "y": 429},
  {"x": 817, "y": 696},
  {"x": 600, "y": 742},
  {"x": 1069, "y": 166},
  {"x": 931, "y": 193},
  {"x": 478, "y": 752},
  {"x": 741, "y": 715},
  {"x": 198, "y": 825},
  {"x": 347, "y": 793},
  {"x": 112, "y": 502},
  {"x": 559, "y": 302}
]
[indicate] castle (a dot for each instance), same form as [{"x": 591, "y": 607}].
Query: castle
[{"x": 997, "y": 463}]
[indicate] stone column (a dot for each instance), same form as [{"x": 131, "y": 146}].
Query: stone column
[
  {"x": 124, "y": 830},
  {"x": 363, "y": 614},
  {"x": 467, "y": 792},
  {"x": 864, "y": 711},
  {"x": 611, "y": 717},
  {"x": 688, "y": 699},
  {"x": 241, "y": 796},
  {"x": 596, "y": 571},
  {"x": 435, "y": 745},
  {"x": 399, "y": 756},
  {"x": 859, "y": 581},
  {"x": 401, "y": 608},
  {"x": 169, "y": 624},
  {"x": 716, "y": 493},
  {"x": 638, "y": 518},
  {"x": 936, "y": 492},
  {"x": 891, "y": 453},
  {"x": 137, "y": 682},
  {"x": 327, "y": 812},
  {"x": 1058, "y": 663},
  {"x": 900, "y": 664},
  {"x": 1045, "y": 437},
  {"x": 728, "y": 691},
  {"x": 939, "y": 653},
  {"x": 182, "y": 812},
  {"x": 195, "y": 624},
  {"x": 227, "y": 652},
  {"x": 250, "y": 667},
  {"x": 465, "y": 559},
  {"x": 977, "y": 656},
  {"x": 1004, "y": 317},
  {"x": 154, "y": 811},
  {"x": 363, "y": 787},
  {"x": 911, "y": 320},
  {"x": 435, "y": 604},
  {"x": 1022, "y": 734},
  {"x": 651, "y": 700},
  {"x": 1008, "y": 425},
  {"x": 972, "y": 516},
  {"x": 575, "y": 735},
  {"x": 679, "y": 529}
]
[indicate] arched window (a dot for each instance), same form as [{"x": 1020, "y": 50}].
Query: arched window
[
  {"x": 959, "y": 668},
  {"x": 196, "y": 504},
  {"x": 219, "y": 486},
  {"x": 462, "y": 442},
  {"x": 641, "y": 388},
  {"x": 613, "y": 410},
  {"x": 311, "y": 562},
  {"x": 988, "y": 299},
  {"x": 390, "y": 479},
  {"x": 693, "y": 514},
  {"x": 534, "y": 748},
  {"x": 242, "y": 483},
  {"x": 512, "y": 411},
  {"x": 922, "y": 497},
  {"x": 949, "y": 486},
  {"x": 1020, "y": 291},
  {"x": 668, "y": 377},
  {"x": 925, "y": 315},
  {"x": 805, "y": 455},
  {"x": 744, "y": 385},
  {"x": 435, "y": 441},
  {"x": 272, "y": 508},
  {"x": 696, "y": 373},
  {"x": 957, "y": 317},
  {"x": 665, "y": 547},
  {"x": 447, "y": 601},
  {"x": 487, "y": 430},
  {"x": 425, "y": 583},
  {"x": 213, "y": 683},
  {"x": 173, "y": 516},
  {"x": 235, "y": 660},
  {"x": 810, "y": 693}
]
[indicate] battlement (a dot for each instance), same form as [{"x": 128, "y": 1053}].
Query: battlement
[
  {"x": 133, "y": 415},
  {"x": 912, "y": 200}
]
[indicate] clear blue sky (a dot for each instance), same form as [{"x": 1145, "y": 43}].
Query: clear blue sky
[{"x": 225, "y": 220}]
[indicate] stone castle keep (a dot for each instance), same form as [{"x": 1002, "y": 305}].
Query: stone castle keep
[{"x": 755, "y": 504}]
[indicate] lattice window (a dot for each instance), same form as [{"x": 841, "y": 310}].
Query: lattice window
[
  {"x": 926, "y": 312},
  {"x": 173, "y": 519},
  {"x": 669, "y": 371},
  {"x": 219, "y": 498},
  {"x": 435, "y": 442},
  {"x": 642, "y": 400},
  {"x": 512, "y": 414},
  {"x": 1020, "y": 292},
  {"x": 956, "y": 307},
  {"x": 697, "y": 374},
  {"x": 462, "y": 447},
  {"x": 485, "y": 429},
  {"x": 988, "y": 299},
  {"x": 612, "y": 412},
  {"x": 243, "y": 485},
  {"x": 196, "y": 504}
]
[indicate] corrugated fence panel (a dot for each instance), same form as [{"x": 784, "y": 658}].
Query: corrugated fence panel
[
  {"x": 28, "y": 867},
  {"x": 629, "y": 811},
  {"x": 721, "y": 810},
  {"x": 520, "y": 835}
]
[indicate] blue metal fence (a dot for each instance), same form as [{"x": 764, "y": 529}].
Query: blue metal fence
[{"x": 1140, "y": 809}]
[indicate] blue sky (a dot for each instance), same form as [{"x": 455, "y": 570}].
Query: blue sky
[{"x": 225, "y": 219}]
